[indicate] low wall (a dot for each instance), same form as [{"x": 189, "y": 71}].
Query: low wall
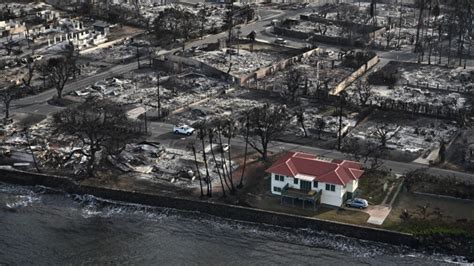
[
  {"x": 355, "y": 75},
  {"x": 222, "y": 210}
]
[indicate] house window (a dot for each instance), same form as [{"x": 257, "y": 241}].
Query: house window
[
  {"x": 277, "y": 189},
  {"x": 295, "y": 181},
  {"x": 315, "y": 184},
  {"x": 277, "y": 177},
  {"x": 282, "y": 178},
  {"x": 330, "y": 187}
]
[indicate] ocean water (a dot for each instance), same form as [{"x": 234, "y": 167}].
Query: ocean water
[{"x": 41, "y": 226}]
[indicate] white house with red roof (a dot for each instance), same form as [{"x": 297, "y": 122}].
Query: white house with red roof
[{"x": 303, "y": 176}]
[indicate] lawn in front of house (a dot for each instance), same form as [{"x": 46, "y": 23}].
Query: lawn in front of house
[{"x": 374, "y": 186}]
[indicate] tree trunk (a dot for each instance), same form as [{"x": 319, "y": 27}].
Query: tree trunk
[
  {"x": 91, "y": 162},
  {"x": 197, "y": 170},
  {"x": 217, "y": 168},
  {"x": 225, "y": 173},
  {"x": 7, "y": 109},
  {"x": 264, "y": 150},
  {"x": 230, "y": 166},
  {"x": 241, "y": 184},
  {"x": 304, "y": 129},
  {"x": 418, "y": 27},
  {"x": 208, "y": 179}
]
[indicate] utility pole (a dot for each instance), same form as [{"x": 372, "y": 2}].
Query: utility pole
[
  {"x": 339, "y": 135},
  {"x": 146, "y": 122},
  {"x": 138, "y": 57},
  {"x": 400, "y": 24},
  {"x": 158, "y": 95},
  {"x": 25, "y": 130}
]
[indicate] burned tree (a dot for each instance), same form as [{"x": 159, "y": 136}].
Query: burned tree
[
  {"x": 60, "y": 70},
  {"x": 389, "y": 36},
  {"x": 293, "y": 81},
  {"x": 363, "y": 92},
  {"x": 7, "y": 96},
  {"x": 368, "y": 153},
  {"x": 246, "y": 123},
  {"x": 320, "y": 125},
  {"x": 384, "y": 133},
  {"x": 301, "y": 119},
  {"x": 100, "y": 126},
  {"x": 266, "y": 122},
  {"x": 30, "y": 67}
]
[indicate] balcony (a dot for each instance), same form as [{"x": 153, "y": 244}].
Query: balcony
[{"x": 304, "y": 195}]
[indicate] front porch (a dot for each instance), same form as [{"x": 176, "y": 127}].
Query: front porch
[{"x": 300, "y": 195}]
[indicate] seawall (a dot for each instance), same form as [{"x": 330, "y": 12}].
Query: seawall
[{"x": 218, "y": 209}]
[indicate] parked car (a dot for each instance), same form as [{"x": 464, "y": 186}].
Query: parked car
[
  {"x": 183, "y": 129},
  {"x": 280, "y": 41},
  {"x": 357, "y": 203}
]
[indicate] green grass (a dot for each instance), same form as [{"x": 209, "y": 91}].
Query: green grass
[{"x": 371, "y": 186}]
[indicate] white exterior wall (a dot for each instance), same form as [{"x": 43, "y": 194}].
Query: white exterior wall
[
  {"x": 279, "y": 184},
  {"x": 333, "y": 198},
  {"x": 352, "y": 186}
]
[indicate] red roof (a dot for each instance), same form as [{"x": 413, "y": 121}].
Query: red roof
[{"x": 339, "y": 172}]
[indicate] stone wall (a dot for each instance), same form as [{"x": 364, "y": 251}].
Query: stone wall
[{"x": 222, "y": 210}]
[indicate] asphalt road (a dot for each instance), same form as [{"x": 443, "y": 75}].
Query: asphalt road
[{"x": 161, "y": 132}]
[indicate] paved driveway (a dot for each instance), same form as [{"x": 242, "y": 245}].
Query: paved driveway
[{"x": 378, "y": 214}]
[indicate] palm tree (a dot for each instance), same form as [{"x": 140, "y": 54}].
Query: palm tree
[
  {"x": 230, "y": 131},
  {"x": 197, "y": 167},
  {"x": 202, "y": 134},
  {"x": 247, "y": 133},
  {"x": 225, "y": 172},
  {"x": 211, "y": 137}
]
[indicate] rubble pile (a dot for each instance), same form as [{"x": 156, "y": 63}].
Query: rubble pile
[
  {"x": 115, "y": 54},
  {"x": 437, "y": 77},
  {"x": 426, "y": 84},
  {"x": 320, "y": 28},
  {"x": 175, "y": 91},
  {"x": 214, "y": 13},
  {"x": 216, "y": 107},
  {"x": 164, "y": 165},
  {"x": 241, "y": 63},
  {"x": 312, "y": 115},
  {"x": 327, "y": 76},
  {"x": 411, "y": 138}
]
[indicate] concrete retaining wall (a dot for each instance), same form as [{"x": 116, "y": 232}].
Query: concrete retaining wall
[
  {"x": 222, "y": 210},
  {"x": 355, "y": 75}
]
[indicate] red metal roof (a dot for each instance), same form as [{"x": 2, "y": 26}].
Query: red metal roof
[{"x": 339, "y": 172}]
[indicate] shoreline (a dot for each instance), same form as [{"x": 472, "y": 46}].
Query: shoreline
[{"x": 228, "y": 211}]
